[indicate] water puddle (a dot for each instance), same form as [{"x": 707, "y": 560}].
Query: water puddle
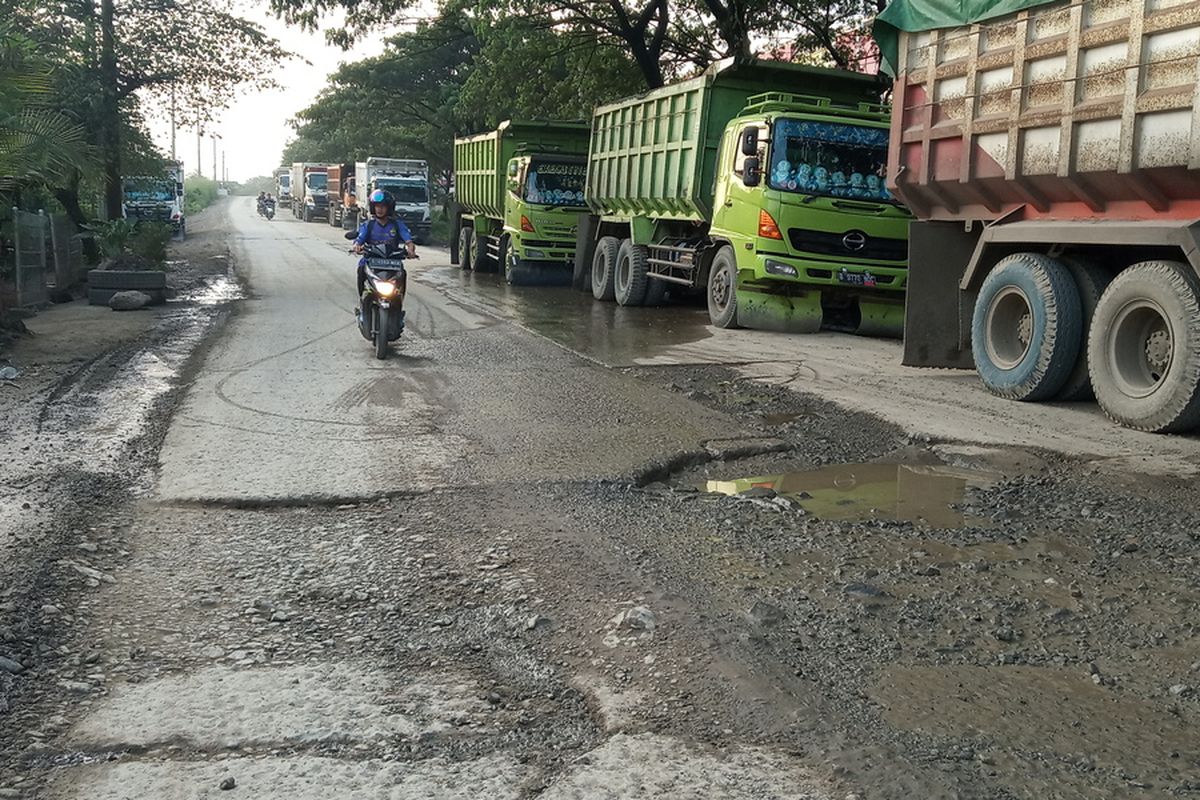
[
  {"x": 926, "y": 494},
  {"x": 215, "y": 292}
]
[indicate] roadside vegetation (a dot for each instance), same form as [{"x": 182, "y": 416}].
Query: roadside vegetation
[
  {"x": 199, "y": 193},
  {"x": 76, "y": 80},
  {"x": 475, "y": 63}
]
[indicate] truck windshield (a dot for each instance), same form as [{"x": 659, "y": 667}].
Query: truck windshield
[
  {"x": 555, "y": 183},
  {"x": 149, "y": 191},
  {"x": 405, "y": 192},
  {"x": 317, "y": 181},
  {"x": 285, "y": 181},
  {"x": 830, "y": 159}
]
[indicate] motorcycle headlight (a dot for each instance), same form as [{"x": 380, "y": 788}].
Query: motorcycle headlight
[{"x": 385, "y": 288}]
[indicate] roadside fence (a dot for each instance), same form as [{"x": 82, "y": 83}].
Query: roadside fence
[{"x": 46, "y": 254}]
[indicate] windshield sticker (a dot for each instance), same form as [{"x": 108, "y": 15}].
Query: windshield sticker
[{"x": 831, "y": 160}]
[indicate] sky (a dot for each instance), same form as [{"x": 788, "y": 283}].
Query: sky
[{"x": 254, "y": 129}]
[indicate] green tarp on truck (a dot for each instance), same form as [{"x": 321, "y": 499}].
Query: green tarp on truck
[{"x": 928, "y": 15}]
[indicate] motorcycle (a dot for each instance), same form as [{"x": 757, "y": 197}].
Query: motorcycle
[
  {"x": 268, "y": 209},
  {"x": 380, "y": 312}
]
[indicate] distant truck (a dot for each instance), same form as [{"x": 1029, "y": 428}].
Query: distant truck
[
  {"x": 1050, "y": 156},
  {"x": 407, "y": 179},
  {"x": 309, "y": 197},
  {"x": 157, "y": 198},
  {"x": 519, "y": 192},
  {"x": 283, "y": 187},
  {"x": 340, "y": 180},
  {"x": 760, "y": 184}
]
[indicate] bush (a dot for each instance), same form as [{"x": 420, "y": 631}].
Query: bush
[
  {"x": 150, "y": 241},
  {"x": 114, "y": 236},
  {"x": 199, "y": 194}
]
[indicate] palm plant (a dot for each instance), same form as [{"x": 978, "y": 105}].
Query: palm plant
[{"x": 38, "y": 144}]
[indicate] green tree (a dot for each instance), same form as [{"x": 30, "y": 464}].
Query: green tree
[
  {"x": 38, "y": 145},
  {"x": 194, "y": 54}
]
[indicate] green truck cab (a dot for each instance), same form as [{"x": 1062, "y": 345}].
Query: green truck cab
[
  {"x": 518, "y": 196},
  {"x": 773, "y": 202}
]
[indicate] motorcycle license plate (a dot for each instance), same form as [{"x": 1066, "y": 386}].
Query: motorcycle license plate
[{"x": 386, "y": 263}]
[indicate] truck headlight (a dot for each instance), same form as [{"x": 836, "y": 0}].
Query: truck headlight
[
  {"x": 779, "y": 268},
  {"x": 532, "y": 253}
]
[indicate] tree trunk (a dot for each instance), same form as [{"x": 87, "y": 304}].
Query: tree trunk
[{"x": 110, "y": 111}]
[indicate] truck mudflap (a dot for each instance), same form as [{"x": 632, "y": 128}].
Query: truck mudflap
[
  {"x": 783, "y": 308},
  {"x": 937, "y": 322},
  {"x": 540, "y": 273}
]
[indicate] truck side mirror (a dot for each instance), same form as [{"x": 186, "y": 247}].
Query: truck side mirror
[
  {"x": 750, "y": 142},
  {"x": 751, "y": 171}
]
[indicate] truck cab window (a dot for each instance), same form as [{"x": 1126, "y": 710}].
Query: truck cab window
[
  {"x": 555, "y": 183},
  {"x": 739, "y": 158},
  {"x": 829, "y": 159}
]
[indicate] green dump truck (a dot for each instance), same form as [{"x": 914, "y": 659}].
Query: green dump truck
[
  {"x": 761, "y": 184},
  {"x": 518, "y": 195}
]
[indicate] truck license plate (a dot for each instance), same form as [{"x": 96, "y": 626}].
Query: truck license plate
[{"x": 856, "y": 279}]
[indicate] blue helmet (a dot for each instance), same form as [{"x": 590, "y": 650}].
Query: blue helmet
[{"x": 380, "y": 196}]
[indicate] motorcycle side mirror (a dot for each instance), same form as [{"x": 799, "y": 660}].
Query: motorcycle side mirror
[{"x": 350, "y": 235}]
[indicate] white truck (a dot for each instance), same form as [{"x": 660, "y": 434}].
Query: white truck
[
  {"x": 408, "y": 181},
  {"x": 310, "y": 197},
  {"x": 156, "y": 198},
  {"x": 283, "y": 187}
]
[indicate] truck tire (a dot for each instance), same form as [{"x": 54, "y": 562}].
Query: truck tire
[
  {"x": 307, "y": 215},
  {"x": 656, "y": 292},
  {"x": 629, "y": 282},
  {"x": 604, "y": 268},
  {"x": 1144, "y": 348},
  {"x": 722, "y": 289},
  {"x": 1026, "y": 328},
  {"x": 483, "y": 262},
  {"x": 1090, "y": 279},
  {"x": 466, "y": 247}
]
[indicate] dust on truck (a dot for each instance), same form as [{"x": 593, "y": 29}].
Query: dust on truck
[
  {"x": 406, "y": 179},
  {"x": 519, "y": 193},
  {"x": 760, "y": 184},
  {"x": 1050, "y": 155},
  {"x": 310, "y": 198}
]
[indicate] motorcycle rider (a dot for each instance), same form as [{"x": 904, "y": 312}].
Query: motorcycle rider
[
  {"x": 383, "y": 226},
  {"x": 262, "y": 199}
]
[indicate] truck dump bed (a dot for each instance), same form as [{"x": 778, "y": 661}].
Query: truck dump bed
[
  {"x": 655, "y": 155},
  {"x": 1062, "y": 110},
  {"x": 480, "y": 160}
]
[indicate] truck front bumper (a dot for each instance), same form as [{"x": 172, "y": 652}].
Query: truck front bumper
[
  {"x": 770, "y": 268},
  {"x": 543, "y": 249}
]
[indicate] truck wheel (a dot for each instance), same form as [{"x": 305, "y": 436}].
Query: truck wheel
[
  {"x": 483, "y": 262},
  {"x": 722, "y": 289},
  {"x": 656, "y": 292},
  {"x": 1026, "y": 328},
  {"x": 629, "y": 284},
  {"x": 1144, "y": 348},
  {"x": 466, "y": 247},
  {"x": 1090, "y": 280},
  {"x": 604, "y": 268}
]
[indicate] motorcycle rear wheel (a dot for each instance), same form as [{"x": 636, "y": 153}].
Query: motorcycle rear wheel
[{"x": 381, "y": 333}]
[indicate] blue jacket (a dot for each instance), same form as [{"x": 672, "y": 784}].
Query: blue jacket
[{"x": 394, "y": 230}]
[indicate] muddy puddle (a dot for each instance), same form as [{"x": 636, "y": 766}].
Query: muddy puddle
[
  {"x": 609, "y": 333},
  {"x": 921, "y": 494}
]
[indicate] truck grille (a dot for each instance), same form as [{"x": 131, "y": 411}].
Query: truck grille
[{"x": 854, "y": 244}]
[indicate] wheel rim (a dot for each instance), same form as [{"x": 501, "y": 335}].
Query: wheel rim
[
  {"x": 1009, "y": 327},
  {"x": 722, "y": 288},
  {"x": 1140, "y": 348},
  {"x": 622, "y": 274}
]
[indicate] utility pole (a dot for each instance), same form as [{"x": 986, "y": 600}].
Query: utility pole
[
  {"x": 214, "y": 138},
  {"x": 199, "y": 142},
  {"x": 173, "y": 156},
  {"x": 224, "y": 169}
]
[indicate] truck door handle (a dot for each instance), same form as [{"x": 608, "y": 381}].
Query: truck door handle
[{"x": 729, "y": 204}]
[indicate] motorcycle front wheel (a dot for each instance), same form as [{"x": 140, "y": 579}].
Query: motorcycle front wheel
[{"x": 381, "y": 333}]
